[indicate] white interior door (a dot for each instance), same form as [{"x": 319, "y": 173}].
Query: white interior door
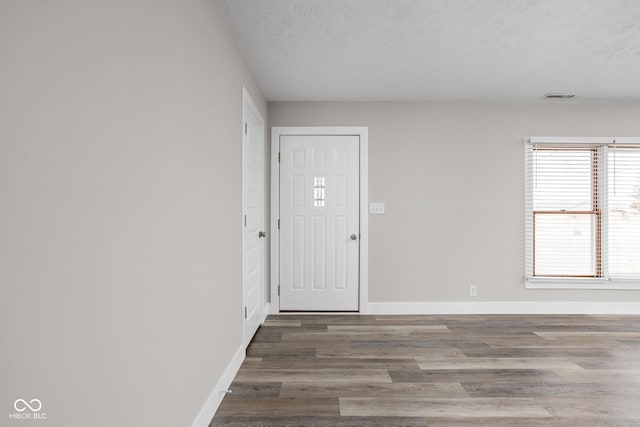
[
  {"x": 319, "y": 229},
  {"x": 253, "y": 228}
]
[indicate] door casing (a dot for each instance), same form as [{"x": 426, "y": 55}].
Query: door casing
[{"x": 363, "y": 134}]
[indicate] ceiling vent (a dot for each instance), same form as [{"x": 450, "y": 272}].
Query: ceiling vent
[{"x": 559, "y": 96}]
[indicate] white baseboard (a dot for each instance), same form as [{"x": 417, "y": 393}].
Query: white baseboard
[
  {"x": 215, "y": 398},
  {"x": 536, "y": 307}
]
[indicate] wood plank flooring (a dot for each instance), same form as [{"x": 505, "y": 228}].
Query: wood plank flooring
[{"x": 491, "y": 370}]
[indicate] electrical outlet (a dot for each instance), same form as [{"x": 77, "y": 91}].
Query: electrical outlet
[{"x": 473, "y": 291}]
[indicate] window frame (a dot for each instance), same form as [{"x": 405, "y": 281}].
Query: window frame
[{"x": 599, "y": 198}]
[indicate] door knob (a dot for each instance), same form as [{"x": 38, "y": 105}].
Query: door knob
[
  {"x": 354, "y": 237},
  {"x": 262, "y": 234}
]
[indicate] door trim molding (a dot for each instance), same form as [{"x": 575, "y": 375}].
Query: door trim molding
[
  {"x": 249, "y": 106},
  {"x": 363, "y": 134}
]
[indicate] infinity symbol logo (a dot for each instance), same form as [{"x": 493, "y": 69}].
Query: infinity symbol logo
[{"x": 21, "y": 405}]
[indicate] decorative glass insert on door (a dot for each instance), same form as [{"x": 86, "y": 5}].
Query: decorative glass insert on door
[{"x": 318, "y": 191}]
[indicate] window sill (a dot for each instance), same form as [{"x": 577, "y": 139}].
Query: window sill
[{"x": 560, "y": 283}]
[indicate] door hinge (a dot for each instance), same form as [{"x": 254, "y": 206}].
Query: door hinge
[
  {"x": 245, "y": 128},
  {"x": 245, "y": 312},
  {"x": 245, "y": 220},
  {"x": 278, "y": 224},
  {"x": 278, "y": 290},
  {"x": 278, "y": 157}
]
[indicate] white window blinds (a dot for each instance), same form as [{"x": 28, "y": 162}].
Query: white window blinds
[
  {"x": 623, "y": 248},
  {"x": 582, "y": 210}
]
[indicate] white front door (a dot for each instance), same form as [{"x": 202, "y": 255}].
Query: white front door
[
  {"x": 252, "y": 230},
  {"x": 319, "y": 222}
]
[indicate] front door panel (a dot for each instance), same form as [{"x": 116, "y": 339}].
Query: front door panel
[{"x": 319, "y": 214}]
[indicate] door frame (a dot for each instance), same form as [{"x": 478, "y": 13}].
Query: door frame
[
  {"x": 363, "y": 265},
  {"x": 249, "y": 107}
]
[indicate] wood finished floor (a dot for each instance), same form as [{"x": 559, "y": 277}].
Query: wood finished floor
[{"x": 498, "y": 370}]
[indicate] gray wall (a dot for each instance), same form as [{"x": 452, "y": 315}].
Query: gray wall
[
  {"x": 120, "y": 208},
  {"x": 451, "y": 175}
]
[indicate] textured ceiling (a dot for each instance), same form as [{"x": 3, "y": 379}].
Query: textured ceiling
[{"x": 440, "y": 49}]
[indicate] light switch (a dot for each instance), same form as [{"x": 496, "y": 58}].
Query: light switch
[{"x": 376, "y": 208}]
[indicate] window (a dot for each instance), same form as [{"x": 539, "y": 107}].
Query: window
[
  {"x": 318, "y": 191},
  {"x": 582, "y": 213}
]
